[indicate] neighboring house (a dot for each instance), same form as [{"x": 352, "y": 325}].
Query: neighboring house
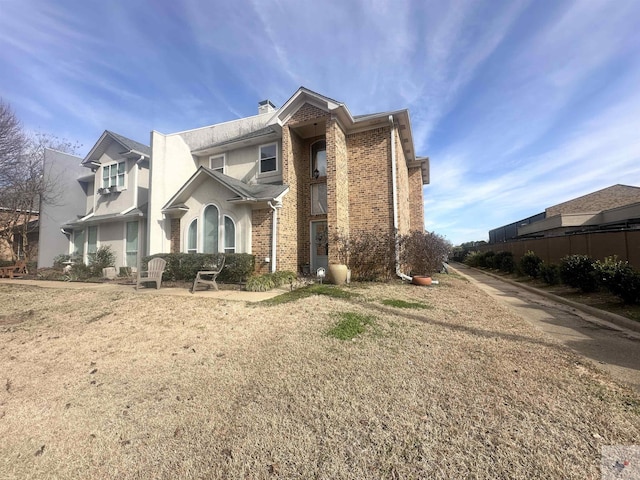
[
  {"x": 277, "y": 185},
  {"x": 104, "y": 204},
  {"x": 12, "y": 245},
  {"x": 612, "y": 208}
]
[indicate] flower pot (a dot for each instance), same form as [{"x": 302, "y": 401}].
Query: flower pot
[
  {"x": 421, "y": 280},
  {"x": 337, "y": 273}
]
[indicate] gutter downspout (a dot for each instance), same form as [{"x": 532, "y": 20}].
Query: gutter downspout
[
  {"x": 395, "y": 200},
  {"x": 274, "y": 234}
]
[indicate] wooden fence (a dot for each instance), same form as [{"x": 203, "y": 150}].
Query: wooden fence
[{"x": 597, "y": 245}]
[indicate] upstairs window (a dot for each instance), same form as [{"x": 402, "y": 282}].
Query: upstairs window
[
  {"x": 113, "y": 175},
  {"x": 319, "y": 159},
  {"x": 217, "y": 163},
  {"x": 268, "y": 158}
]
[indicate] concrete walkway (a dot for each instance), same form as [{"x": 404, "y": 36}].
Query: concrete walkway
[
  {"x": 586, "y": 330},
  {"x": 234, "y": 295}
]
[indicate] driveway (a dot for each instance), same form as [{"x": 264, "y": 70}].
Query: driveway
[{"x": 612, "y": 348}]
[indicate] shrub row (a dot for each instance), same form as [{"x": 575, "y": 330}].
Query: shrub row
[
  {"x": 238, "y": 267},
  {"x": 577, "y": 271}
]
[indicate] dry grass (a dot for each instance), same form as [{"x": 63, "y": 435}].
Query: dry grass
[{"x": 118, "y": 385}]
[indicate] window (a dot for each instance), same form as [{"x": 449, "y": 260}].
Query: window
[
  {"x": 229, "y": 235},
  {"x": 318, "y": 198},
  {"x": 192, "y": 237},
  {"x": 319, "y": 159},
  {"x": 210, "y": 229},
  {"x": 113, "y": 175},
  {"x": 268, "y": 158},
  {"x": 132, "y": 244},
  {"x": 92, "y": 240},
  {"x": 78, "y": 244},
  {"x": 217, "y": 163}
]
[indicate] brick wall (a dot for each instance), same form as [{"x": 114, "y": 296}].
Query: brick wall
[
  {"x": 337, "y": 185},
  {"x": 261, "y": 222},
  {"x": 416, "y": 199},
  {"x": 611, "y": 197},
  {"x": 175, "y": 235},
  {"x": 402, "y": 189},
  {"x": 370, "y": 190}
]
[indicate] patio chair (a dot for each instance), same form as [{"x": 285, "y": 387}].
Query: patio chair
[
  {"x": 153, "y": 274},
  {"x": 210, "y": 276}
]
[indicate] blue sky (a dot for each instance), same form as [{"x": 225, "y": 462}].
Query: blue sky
[{"x": 519, "y": 104}]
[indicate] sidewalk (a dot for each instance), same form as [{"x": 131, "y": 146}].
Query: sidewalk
[{"x": 234, "y": 295}]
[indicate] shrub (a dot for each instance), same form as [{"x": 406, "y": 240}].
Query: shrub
[
  {"x": 473, "y": 259},
  {"x": 371, "y": 256},
  {"x": 103, "y": 258},
  {"x": 619, "y": 278},
  {"x": 185, "y": 266},
  {"x": 550, "y": 273},
  {"x": 503, "y": 261},
  {"x": 80, "y": 271},
  {"x": 487, "y": 260},
  {"x": 423, "y": 252},
  {"x": 578, "y": 271},
  {"x": 530, "y": 264},
  {"x": 262, "y": 283}
]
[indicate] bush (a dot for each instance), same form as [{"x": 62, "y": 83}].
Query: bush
[
  {"x": 503, "y": 261},
  {"x": 473, "y": 259},
  {"x": 262, "y": 283},
  {"x": 530, "y": 264},
  {"x": 80, "y": 271},
  {"x": 550, "y": 273},
  {"x": 578, "y": 271},
  {"x": 103, "y": 258},
  {"x": 371, "y": 256},
  {"x": 423, "y": 252},
  {"x": 487, "y": 259},
  {"x": 238, "y": 267},
  {"x": 619, "y": 278}
]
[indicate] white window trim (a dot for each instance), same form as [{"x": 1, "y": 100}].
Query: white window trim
[
  {"x": 224, "y": 162},
  {"x": 270, "y": 172},
  {"x": 235, "y": 234},
  {"x": 124, "y": 174},
  {"x": 186, "y": 235}
]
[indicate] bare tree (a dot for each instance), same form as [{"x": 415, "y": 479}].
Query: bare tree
[{"x": 23, "y": 184}]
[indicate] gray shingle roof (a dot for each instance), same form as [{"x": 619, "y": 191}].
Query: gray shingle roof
[
  {"x": 257, "y": 192},
  {"x": 246, "y": 136},
  {"x": 131, "y": 144}
]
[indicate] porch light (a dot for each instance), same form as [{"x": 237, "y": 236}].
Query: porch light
[
  {"x": 320, "y": 273},
  {"x": 316, "y": 173}
]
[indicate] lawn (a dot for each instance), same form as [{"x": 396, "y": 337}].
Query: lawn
[{"x": 428, "y": 382}]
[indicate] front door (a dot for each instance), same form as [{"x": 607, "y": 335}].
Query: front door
[{"x": 319, "y": 246}]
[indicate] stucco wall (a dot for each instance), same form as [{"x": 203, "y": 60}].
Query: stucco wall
[{"x": 63, "y": 169}]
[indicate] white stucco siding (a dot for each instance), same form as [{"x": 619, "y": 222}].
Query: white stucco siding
[
  {"x": 143, "y": 185},
  {"x": 242, "y": 164},
  {"x": 171, "y": 166},
  {"x": 115, "y": 202},
  {"x": 211, "y": 193}
]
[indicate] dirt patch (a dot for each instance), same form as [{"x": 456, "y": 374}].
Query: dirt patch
[{"x": 118, "y": 385}]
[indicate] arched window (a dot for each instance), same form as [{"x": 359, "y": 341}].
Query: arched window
[
  {"x": 229, "y": 235},
  {"x": 210, "y": 237},
  {"x": 319, "y": 159},
  {"x": 192, "y": 237}
]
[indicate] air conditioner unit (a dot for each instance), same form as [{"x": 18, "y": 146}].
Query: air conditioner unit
[{"x": 103, "y": 190}]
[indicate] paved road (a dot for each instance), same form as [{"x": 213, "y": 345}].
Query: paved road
[{"x": 611, "y": 348}]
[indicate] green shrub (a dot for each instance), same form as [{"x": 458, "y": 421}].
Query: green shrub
[
  {"x": 80, "y": 271},
  {"x": 619, "y": 278},
  {"x": 550, "y": 273},
  {"x": 103, "y": 258},
  {"x": 530, "y": 264},
  {"x": 473, "y": 259},
  {"x": 578, "y": 271},
  {"x": 486, "y": 259},
  {"x": 238, "y": 267},
  {"x": 503, "y": 261}
]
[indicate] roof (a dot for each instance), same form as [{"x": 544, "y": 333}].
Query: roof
[
  {"x": 247, "y": 136},
  {"x": 92, "y": 219},
  {"x": 243, "y": 192},
  {"x": 130, "y": 147}
]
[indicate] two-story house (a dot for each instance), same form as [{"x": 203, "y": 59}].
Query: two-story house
[{"x": 277, "y": 185}]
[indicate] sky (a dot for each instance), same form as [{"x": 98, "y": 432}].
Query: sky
[{"x": 519, "y": 105}]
